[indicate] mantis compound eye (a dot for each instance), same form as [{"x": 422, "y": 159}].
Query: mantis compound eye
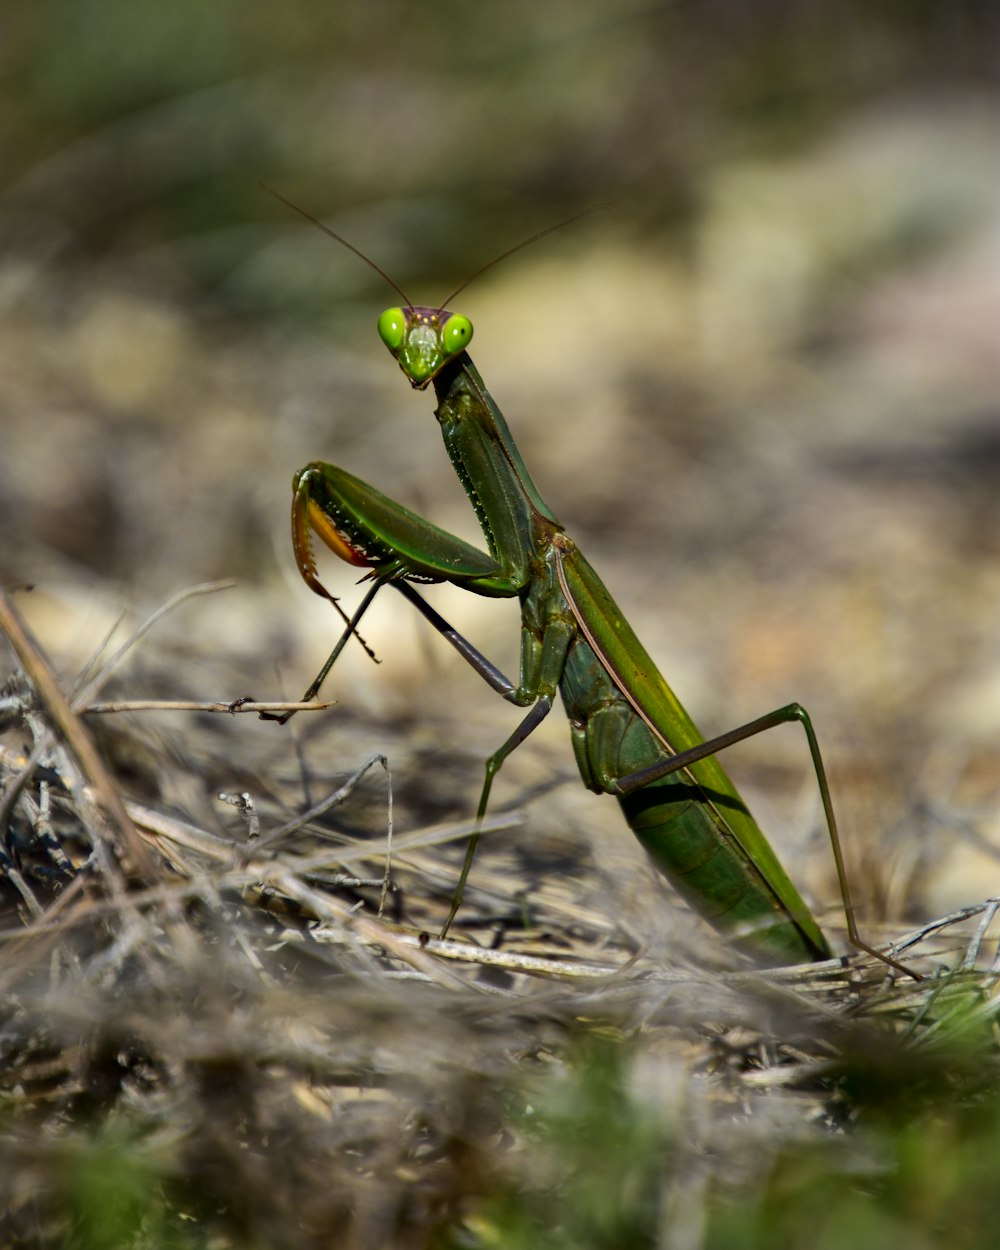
[
  {"x": 392, "y": 328},
  {"x": 456, "y": 334}
]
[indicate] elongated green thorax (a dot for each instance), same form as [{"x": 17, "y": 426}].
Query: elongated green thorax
[{"x": 473, "y": 426}]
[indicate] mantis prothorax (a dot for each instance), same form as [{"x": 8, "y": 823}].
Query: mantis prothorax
[{"x": 630, "y": 734}]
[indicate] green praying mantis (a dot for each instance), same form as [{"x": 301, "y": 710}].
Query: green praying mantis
[{"x": 630, "y": 734}]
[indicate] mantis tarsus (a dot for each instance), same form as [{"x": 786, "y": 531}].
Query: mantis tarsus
[{"x": 630, "y": 735}]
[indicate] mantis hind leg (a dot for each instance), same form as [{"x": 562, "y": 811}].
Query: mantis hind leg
[
  {"x": 493, "y": 765},
  {"x": 541, "y": 669},
  {"x": 792, "y": 712}
]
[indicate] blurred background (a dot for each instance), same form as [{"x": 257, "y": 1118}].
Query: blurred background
[{"x": 760, "y": 387}]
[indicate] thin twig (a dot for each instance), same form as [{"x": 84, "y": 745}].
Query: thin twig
[
  {"x": 90, "y": 666},
  {"x": 972, "y": 952},
  {"x": 22, "y": 776},
  {"x": 233, "y": 708},
  {"x": 331, "y": 800},
  {"x": 82, "y": 696},
  {"x": 12, "y": 873},
  {"x": 388, "y": 838},
  {"x": 244, "y": 804},
  {"x": 73, "y": 734},
  {"x": 513, "y": 961}
]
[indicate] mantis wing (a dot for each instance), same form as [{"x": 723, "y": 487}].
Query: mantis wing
[{"x": 632, "y": 670}]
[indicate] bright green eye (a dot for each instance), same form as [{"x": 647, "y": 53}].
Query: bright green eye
[
  {"x": 456, "y": 333},
  {"x": 392, "y": 328}
]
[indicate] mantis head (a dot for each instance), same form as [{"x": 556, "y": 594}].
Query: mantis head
[{"x": 423, "y": 340}]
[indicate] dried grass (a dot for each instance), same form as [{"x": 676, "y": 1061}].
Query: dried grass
[{"x": 227, "y": 1040}]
